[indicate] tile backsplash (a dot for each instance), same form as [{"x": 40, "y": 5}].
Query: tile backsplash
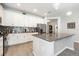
[{"x": 15, "y": 29}]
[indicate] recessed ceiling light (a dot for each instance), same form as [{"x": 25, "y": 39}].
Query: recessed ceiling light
[
  {"x": 69, "y": 13},
  {"x": 18, "y": 4},
  {"x": 56, "y": 5},
  {"x": 45, "y": 14},
  {"x": 34, "y": 10}
]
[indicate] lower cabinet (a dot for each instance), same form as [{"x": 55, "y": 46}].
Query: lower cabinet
[
  {"x": 19, "y": 38},
  {"x": 36, "y": 46},
  {"x": 1, "y": 46},
  {"x": 42, "y": 47},
  {"x": 46, "y": 48}
]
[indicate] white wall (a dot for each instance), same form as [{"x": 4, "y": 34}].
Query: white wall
[
  {"x": 16, "y": 18},
  {"x": 62, "y": 44},
  {"x": 64, "y": 21}
]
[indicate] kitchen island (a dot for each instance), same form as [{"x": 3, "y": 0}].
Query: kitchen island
[{"x": 51, "y": 44}]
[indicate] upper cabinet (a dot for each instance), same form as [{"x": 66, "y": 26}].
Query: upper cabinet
[
  {"x": 13, "y": 18},
  {"x": 1, "y": 14},
  {"x": 16, "y": 18},
  {"x": 32, "y": 21}
]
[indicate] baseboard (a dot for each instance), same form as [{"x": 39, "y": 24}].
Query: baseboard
[
  {"x": 60, "y": 51},
  {"x": 63, "y": 50},
  {"x": 34, "y": 53},
  {"x": 19, "y": 44},
  {"x": 70, "y": 48}
]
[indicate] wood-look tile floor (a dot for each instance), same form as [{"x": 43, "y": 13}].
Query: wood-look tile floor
[{"x": 24, "y": 49}]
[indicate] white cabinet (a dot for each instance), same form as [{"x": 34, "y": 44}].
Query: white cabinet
[
  {"x": 1, "y": 41},
  {"x": 1, "y": 46},
  {"x": 14, "y": 18},
  {"x": 42, "y": 47},
  {"x": 46, "y": 48},
  {"x": 19, "y": 38},
  {"x": 1, "y": 14},
  {"x": 36, "y": 46},
  {"x": 12, "y": 39}
]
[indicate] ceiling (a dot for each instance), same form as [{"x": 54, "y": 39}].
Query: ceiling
[{"x": 48, "y": 8}]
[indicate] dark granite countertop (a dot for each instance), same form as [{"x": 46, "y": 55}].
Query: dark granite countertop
[{"x": 53, "y": 37}]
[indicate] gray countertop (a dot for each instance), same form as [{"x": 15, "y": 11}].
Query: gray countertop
[{"x": 52, "y": 37}]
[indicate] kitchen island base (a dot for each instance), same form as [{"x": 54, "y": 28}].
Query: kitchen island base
[{"x": 43, "y": 47}]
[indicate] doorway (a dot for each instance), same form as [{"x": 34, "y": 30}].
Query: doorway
[{"x": 52, "y": 26}]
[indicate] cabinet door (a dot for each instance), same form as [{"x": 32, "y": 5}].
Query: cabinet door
[
  {"x": 1, "y": 42},
  {"x": 1, "y": 46},
  {"x": 1, "y": 14},
  {"x": 36, "y": 49},
  {"x": 1, "y": 51},
  {"x": 12, "y": 39},
  {"x": 27, "y": 37},
  {"x": 21, "y": 38},
  {"x": 45, "y": 48}
]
